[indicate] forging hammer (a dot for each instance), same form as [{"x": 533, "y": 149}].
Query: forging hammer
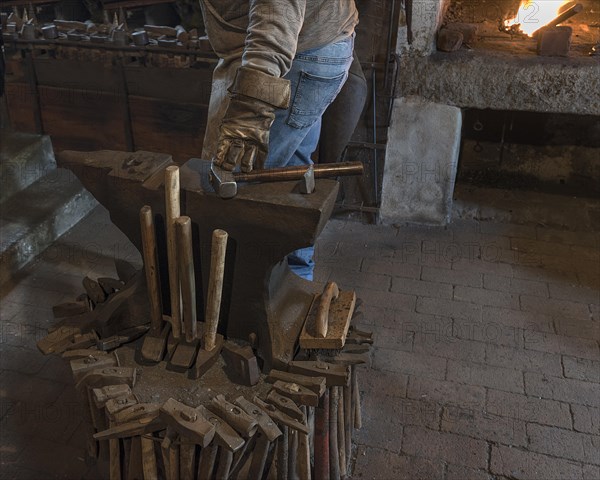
[{"x": 225, "y": 182}]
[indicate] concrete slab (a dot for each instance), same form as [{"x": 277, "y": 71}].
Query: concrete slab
[
  {"x": 35, "y": 217},
  {"x": 421, "y": 162},
  {"x": 24, "y": 158}
]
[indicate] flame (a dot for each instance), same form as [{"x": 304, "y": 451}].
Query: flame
[{"x": 534, "y": 14}]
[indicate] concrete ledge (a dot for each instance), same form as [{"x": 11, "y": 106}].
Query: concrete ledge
[
  {"x": 501, "y": 81},
  {"x": 32, "y": 219},
  {"x": 24, "y": 158}
]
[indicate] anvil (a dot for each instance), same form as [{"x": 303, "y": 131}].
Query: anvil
[{"x": 265, "y": 222}]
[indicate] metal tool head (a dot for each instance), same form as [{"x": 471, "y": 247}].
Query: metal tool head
[{"x": 223, "y": 181}]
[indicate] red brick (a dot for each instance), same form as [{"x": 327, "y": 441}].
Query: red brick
[
  {"x": 371, "y": 249},
  {"x": 526, "y": 360},
  {"x": 449, "y": 447},
  {"x": 564, "y": 443},
  {"x": 481, "y": 296},
  {"x": 446, "y": 393},
  {"x": 522, "y": 320},
  {"x": 393, "y": 339},
  {"x": 523, "y": 465},
  {"x": 425, "y": 328},
  {"x": 515, "y": 285},
  {"x": 585, "y": 239},
  {"x": 484, "y": 425},
  {"x": 382, "y": 427},
  {"x": 416, "y": 412},
  {"x": 507, "y": 229},
  {"x": 453, "y": 277},
  {"x": 449, "y": 347},
  {"x": 386, "y": 384},
  {"x": 578, "y": 327},
  {"x": 385, "y": 266},
  {"x": 442, "y": 253},
  {"x": 409, "y": 363},
  {"x": 349, "y": 279},
  {"x": 528, "y": 408},
  {"x": 379, "y": 316},
  {"x": 486, "y": 376},
  {"x": 562, "y": 389},
  {"x": 458, "y": 472},
  {"x": 374, "y": 463},
  {"x": 552, "y": 306},
  {"x": 337, "y": 262},
  {"x": 574, "y": 346},
  {"x": 540, "y": 247},
  {"x": 479, "y": 241},
  {"x": 591, "y": 472},
  {"x": 416, "y": 233},
  {"x": 574, "y": 293},
  {"x": 397, "y": 301},
  {"x": 582, "y": 369},
  {"x": 489, "y": 332},
  {"x": 595, "y": 311},
  {"x": 421, "y": 288},
  {"x": 322, "y": 274},
  {"x": 450, "y": 308},
  {"x": 586, "y": 419}
]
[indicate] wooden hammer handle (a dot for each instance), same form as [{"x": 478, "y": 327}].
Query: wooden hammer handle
[
  {"x": 173, "y": 211},
  {"x": 185, "y": 258},
  {"x": 330, "y": 292},
  {"x": 150, "y": 267},
  {"x": 215, "y": 287}
]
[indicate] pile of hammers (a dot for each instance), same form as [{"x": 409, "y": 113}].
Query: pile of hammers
[
  {"x": 293, "y": 423},
  {"x": 301, "y": 429},
  {"x": 188, "y": 344}
]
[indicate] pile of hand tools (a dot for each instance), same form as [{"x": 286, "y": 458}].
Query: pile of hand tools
[
  {"x": 301, "y": 428},
  {"x": 183, "y": 402}
]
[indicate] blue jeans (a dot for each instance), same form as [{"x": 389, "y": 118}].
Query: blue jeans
[{"x": 316, "y": 77}]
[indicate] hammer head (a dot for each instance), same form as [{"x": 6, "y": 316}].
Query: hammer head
[{"x": 223, "y": 182}]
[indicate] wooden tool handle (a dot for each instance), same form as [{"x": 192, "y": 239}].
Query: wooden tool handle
[
  {"x": 330, "y": 292},
  {"x": 173, "y": 210},
  {"x": 185, "y": 263},
  {"x": 150, "y": 267},
  {"x": 215, "y": 287}
]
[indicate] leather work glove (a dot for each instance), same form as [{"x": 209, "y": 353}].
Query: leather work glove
[{"x": 244, "y": 131}]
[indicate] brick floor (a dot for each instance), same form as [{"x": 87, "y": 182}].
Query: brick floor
[{"x": 487, "y": 346}]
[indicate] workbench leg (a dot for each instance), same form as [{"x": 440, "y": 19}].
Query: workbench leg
[
  {"x": 341, "y": 433},
  {"x": 208, "y": 457},
  {"x": 334, "y": 459},
  {"x": 283, "y": 454},
  {"x": 322, "y": 438}
]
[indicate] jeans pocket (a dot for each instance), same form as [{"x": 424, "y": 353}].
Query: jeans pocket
[{"x": 313, "y": 96}]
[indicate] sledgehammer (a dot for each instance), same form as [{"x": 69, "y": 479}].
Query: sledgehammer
[{"x": 225, "y": 182}]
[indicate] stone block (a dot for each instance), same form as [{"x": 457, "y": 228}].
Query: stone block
[
  {"x": 449, "y": 40},
  {"x": 468, "y": 30},
  {"x": 554, "y": 41},
  {"x": 421, "y": 162}
]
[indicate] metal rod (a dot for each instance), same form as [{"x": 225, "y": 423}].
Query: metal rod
[
  {"x": 574, "y": 10},
  {"x": 295, "y": 173},
  {"x": 375, "y": 170},
  {"x": 389, "y": 46},
  {"x": 120, "y": 48}
]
